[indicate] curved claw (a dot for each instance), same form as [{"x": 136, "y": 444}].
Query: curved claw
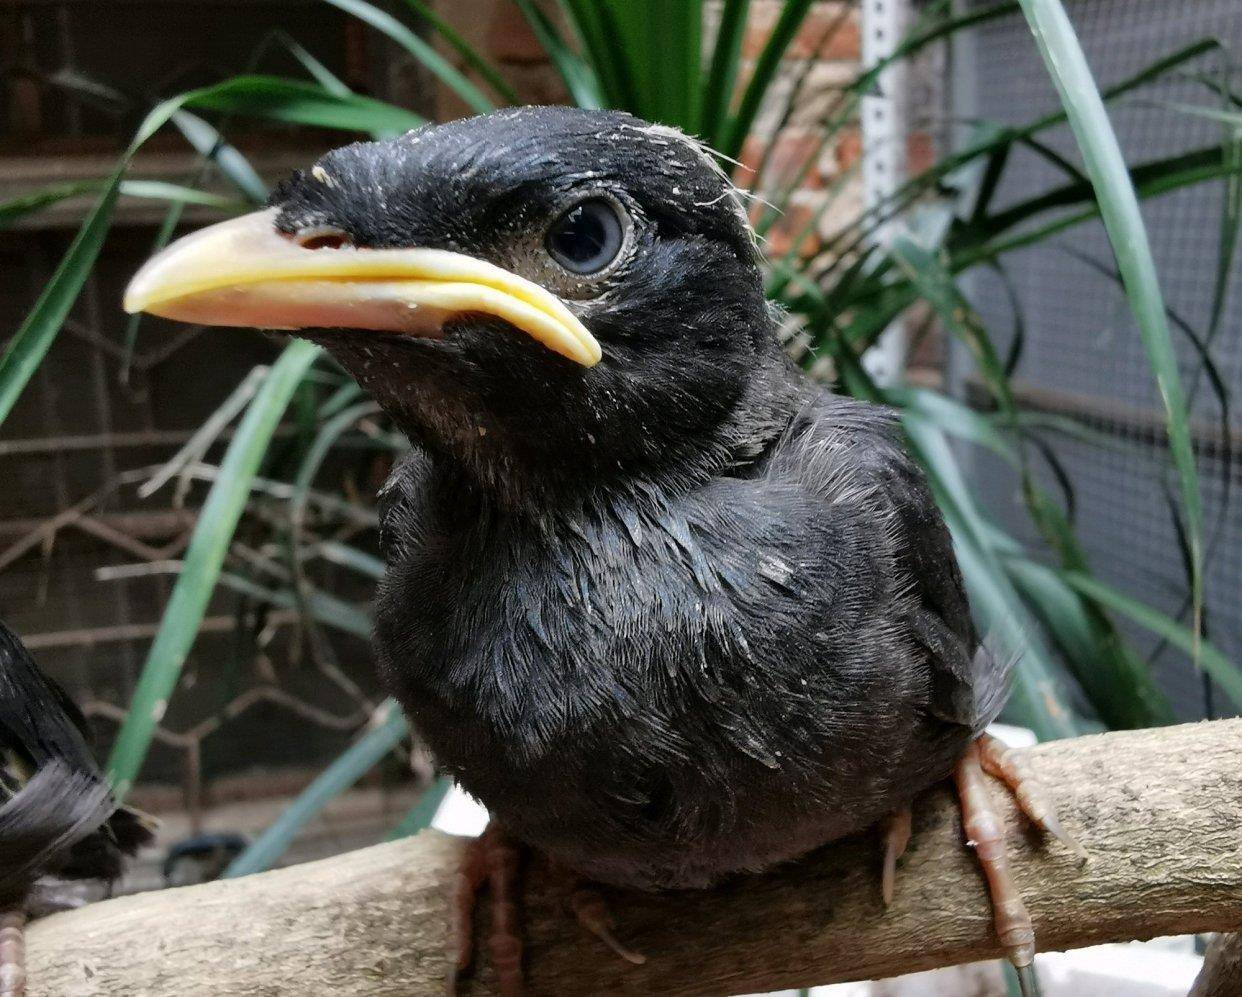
[
  {"x": 592, "y": 913},
  {"x": 896, "y": 838}
]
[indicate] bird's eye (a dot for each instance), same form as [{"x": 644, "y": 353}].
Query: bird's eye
[{"x": 587, "y": 237}]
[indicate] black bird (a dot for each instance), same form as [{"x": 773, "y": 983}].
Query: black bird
[
  {"x": 670, "y": 609},
  {"x": 58, "y": 819}
]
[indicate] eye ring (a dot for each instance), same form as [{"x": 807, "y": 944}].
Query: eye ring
[{"x": 588, "y": 236}]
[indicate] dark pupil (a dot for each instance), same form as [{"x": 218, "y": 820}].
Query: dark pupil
[{"x": 586, "y": 238}]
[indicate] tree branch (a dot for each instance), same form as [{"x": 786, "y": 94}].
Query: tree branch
[{"x": 1159, "y": 811}]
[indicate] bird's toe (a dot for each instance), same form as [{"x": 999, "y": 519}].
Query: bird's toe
[{"x": 12, "y": 954}]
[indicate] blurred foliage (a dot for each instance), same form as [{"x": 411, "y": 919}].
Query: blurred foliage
[{"x": 1046, "y": 606}]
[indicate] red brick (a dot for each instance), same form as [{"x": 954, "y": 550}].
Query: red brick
[
  {"x": 920, "y": 152},
  {"x": 509, "y": 36},
  {"x": 816, "y": 36},
  {"x": 849, "y": 148},
  {"x": 793, "y": 147},
  {"x": 826, "y": 35},
  {"x": 786, "y": 228}
]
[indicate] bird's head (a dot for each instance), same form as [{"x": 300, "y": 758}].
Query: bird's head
[{"x": 539, "y": 294}]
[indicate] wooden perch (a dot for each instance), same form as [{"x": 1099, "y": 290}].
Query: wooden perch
[{"x": 1160, "y": 812}]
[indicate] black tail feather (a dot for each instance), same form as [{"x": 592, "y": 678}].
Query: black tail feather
[{"x": 39, "y": 826}]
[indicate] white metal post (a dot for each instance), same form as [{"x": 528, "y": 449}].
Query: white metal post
[{"x": 884, "y": 154}]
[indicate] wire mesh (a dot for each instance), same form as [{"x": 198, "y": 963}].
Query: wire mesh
[{"x": 1082, "y": 354}]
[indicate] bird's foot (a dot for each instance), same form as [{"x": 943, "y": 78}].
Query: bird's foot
[
  {"x": 591, "y": 909},
  {"x": 999, "y": 761},
  {"x": 492, "y": 859},
  {"x": 12, "y": 953},
  {"x": 896, "y": 838},
  {"x": 985, "y": 832}
]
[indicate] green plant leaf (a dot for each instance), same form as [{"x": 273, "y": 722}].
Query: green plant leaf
[
  {"x": 203, "y": 561},
  {"x": 1121, "y": 688},
  {"x": 389, "y": 729},
  {"x": 580, "y": 79},
  {"x": 1226, "y": 674},
  {"x": 42, "y": 324},
  {"x": 314, "y": 604},
  {"x": 318, "y": 71},
  {"x": 600, "y": 37},
  {"x": 426, "y": 54},
  {"x": 793, "y": 13},
  {"x": 210, "y": 144},
  {"x": 1119, "y": 210},
  {"x": 1039, "y": 699},
  {"x": 297, "y": 102},
  {"x": 36, "y": 334},
  {"x": 157, "y": 190},
  {"x": 469, "y": 54},
  {"x": 722, "y": 73}
]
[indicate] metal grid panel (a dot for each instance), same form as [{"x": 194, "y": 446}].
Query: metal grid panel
[{"x": 1083, "y": 354}]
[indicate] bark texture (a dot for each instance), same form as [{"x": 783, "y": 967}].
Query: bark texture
[{"x": 1159, "y": 811}]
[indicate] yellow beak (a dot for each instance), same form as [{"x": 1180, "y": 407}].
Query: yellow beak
[{"x": 244, "y": 272}]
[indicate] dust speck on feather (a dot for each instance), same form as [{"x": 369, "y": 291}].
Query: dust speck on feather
[{"x": 322, "y": 175}]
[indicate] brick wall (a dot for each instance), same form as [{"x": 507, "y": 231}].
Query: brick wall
[{"x": 822, "y": 59}]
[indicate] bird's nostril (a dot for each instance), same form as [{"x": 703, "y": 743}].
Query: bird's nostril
[{"x": 323, "y": 238}]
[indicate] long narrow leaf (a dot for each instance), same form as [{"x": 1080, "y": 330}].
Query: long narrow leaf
[
  {"x": 426, "y": 54},
  {"x": 722, "y": 74},
  {"x": 463, "y": 48},
  {"x": 424, "y": 811},
  {"x": 210, "y": 144},
  {"x": 204, "y": 558},
  {"x": 36, "y": 334},
  {"x": 1119, "y": 210},
  {"x": 579, "y": 78},
  {"x": 601, "y": 41},
  {"x": 1038, "y": 699},
  {"x": 302, "y": 103},
  {"x": 318, "y": 71},
  {"x": 793, "y": 13},
  {"x": 1222, "y": 670},
  {"x": 157, "y": 190}
]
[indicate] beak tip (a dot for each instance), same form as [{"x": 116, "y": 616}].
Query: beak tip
[{"x": 136, "y": 297}]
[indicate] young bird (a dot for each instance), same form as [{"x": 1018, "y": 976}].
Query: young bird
[
  {"x": 58, "y": 819},
  {"x": 670, "y": 609}
]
